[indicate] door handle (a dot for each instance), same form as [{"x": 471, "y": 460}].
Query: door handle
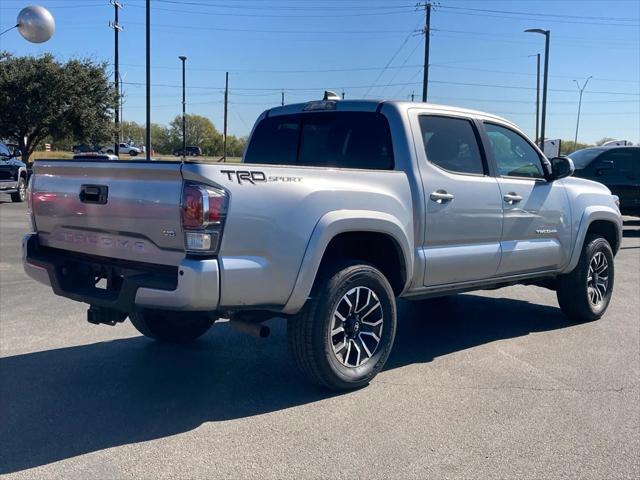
[
  {"x": 512, "y": 198},
  {"x": 441, "y": 196}
]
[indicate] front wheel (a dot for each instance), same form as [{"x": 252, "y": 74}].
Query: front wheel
[
  {"x": 344, "y": 334},
  {"x": 171, "y": 326},
  {"x": 20, "y": 195},
  {"x": 585, "y": 293}
]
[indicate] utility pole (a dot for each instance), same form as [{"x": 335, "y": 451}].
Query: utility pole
[
  {"x": 184, "y": 107},
  {"x": 148, "y": 78},
  {"x": 537, "y": 95},
  {"x": 282, "y": 101},
  {"x": 547, "y": 36},
  {"x": 116, "y": 30},
  {"x": 226, "y": 101},
  {"x": 427, "y": 34},
  {"x": 581, "y": 89}
]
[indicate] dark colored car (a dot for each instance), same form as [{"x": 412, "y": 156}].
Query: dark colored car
[
  {"x": 85, "y": 148},
  {"x": 616, "y": 167},
  {"x": 13, "y": 174},
  {"x": 190, "y": 151}
]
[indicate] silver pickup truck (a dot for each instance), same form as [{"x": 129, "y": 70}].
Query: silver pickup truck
[{"x": 338, "y": 208}]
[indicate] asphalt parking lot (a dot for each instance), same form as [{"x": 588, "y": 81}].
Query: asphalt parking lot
[{"x": 483, "y": 385}]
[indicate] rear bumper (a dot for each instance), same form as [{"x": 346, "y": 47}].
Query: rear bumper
[{"x": 192, "y": 285}]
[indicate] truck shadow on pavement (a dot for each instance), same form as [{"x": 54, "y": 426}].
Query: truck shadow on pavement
[{"x": 66, "y": 402}]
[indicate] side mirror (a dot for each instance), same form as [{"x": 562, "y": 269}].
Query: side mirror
[{"x": 561, "y": 167}]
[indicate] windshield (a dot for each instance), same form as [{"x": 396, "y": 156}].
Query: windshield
[{"x": 582, "y": 158}]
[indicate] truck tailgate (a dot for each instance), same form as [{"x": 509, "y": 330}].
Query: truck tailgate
[{"x": 118, "y": 209}]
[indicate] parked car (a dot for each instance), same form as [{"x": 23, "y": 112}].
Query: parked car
[
  {"x": 13, "y": 174},
  {"x": 616, "y": 167},
  {"x": 339, "y": 208},
  {"x": 123, "y": 148},
  {"x": 95, "y": 156},
  {"x": 190, "y": 151},
  {"x": 85, "y": 148}
]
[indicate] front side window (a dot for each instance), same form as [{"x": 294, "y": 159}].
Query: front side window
[
  {"x": 515, "y": 157},
  {"x": 4, "y": 151},
  {"x": 323, "y": 139},
  {"x": 620, "y": 161},
  {"x": 451, "y": 144}
]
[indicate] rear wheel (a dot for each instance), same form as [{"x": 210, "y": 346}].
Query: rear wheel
[
  {"x": 170, "y": 326},
  {"x": 585, "y": 293},
  {"x": 344, "y": 334},
  {"x": 20, "y": 195}
]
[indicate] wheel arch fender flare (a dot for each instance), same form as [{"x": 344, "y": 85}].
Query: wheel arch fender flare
[
  {"x": 335, "y": 223},
  {"x": 592, "y": 214}
]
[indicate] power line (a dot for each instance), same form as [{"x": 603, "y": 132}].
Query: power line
[
  {"x": 255, "y": 30},
  {"x": 475, "y": 14},
  {"x": 267, "y": 15},
  {"x": 511, "y": 12},
  {"x": 393, "y": 57},
  {"x": 444, "y": 82}
]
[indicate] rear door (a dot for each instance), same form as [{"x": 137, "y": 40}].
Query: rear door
[
  {"x": 463, "y": 206},
  {"x": 536, "y": 227}
]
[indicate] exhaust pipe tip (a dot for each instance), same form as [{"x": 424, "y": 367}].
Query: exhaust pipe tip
[{"x": 254, "y": 329}]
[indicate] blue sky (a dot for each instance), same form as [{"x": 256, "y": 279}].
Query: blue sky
[{"x": 480, "y": 57}]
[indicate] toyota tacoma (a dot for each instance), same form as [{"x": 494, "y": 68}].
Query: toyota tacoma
[{"x": 337, "y": 209}]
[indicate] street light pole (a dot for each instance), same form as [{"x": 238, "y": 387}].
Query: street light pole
[
  {"x": 581, "y": 89},
  {"x": 184, "y": 108},
  {"x": 148, "y": 78},
  {"x": 116, "y": 29},
  {"x": 547, "y": 35},
  {"x": 537, "y": 55}
]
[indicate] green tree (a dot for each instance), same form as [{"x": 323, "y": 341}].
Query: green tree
[
  {"x": 235, "y": 146},
  {"x": 133, "y": 132},
  {"x": 568, "y": 146},
  {"x": 43, "y": 98},
  {"x": 199, "y": 132}
]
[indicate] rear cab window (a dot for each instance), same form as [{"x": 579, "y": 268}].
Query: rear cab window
[
  {"x": 452, "y": 144},
  {"x": 360, "y": 140}
]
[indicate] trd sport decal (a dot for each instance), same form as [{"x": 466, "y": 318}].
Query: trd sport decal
[{"x": 256, "y": 176}]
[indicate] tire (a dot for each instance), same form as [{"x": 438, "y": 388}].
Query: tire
[
  {"x": 318, "y": 354},
  {"x": 170, "y": 326},
  {"x": 110, "y": 151},
  {"x": 584, "y": 296},
  {"x": 20, "y": 195}
]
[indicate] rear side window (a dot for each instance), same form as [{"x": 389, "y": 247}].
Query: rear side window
[
  {"x": 323, "y": 139},
  {"x": 451, "y": 144}
]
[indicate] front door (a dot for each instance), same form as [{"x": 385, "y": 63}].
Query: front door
[
  {"x": 619, "y": 170},
  {"x": 463, "y": 203},
  {"x": 536, "y": 230}
]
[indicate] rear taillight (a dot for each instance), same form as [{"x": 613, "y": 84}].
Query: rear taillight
[{"x": 204, "y": 209}]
